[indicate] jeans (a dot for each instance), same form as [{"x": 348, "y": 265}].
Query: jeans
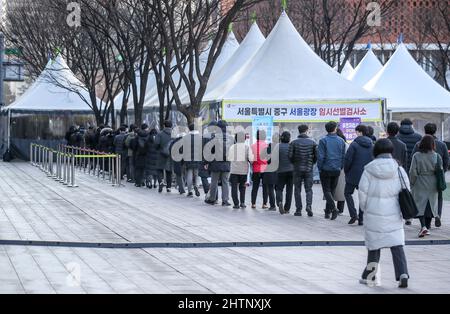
[
  {"x": 238, "y": 183},
  {"x": 349, "y": 190},
  {"x": 285, "y": 180},
  {"x": 306, "y": 178},
  {"x": 205, "y": 184},
  {"x": 168, "y": 178},
  {"x": 180, "y": 183},
  {"x": 215, "y": 177},
  {"x": 398, "y": 257},
  {"x": 330, "y": 180},
  {"x": 269, "y": 195},
  {"x": 191, "y": 178}
]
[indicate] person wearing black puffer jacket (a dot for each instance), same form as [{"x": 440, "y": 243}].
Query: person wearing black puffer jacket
[
  {"x": 359, "y": 155},
  {"x": 303, "y": 154},
  {"x": 410, "y": 137}
]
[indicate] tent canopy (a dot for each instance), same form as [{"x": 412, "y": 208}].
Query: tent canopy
[
  {"x": 56, "y": 89},
  {"x": 407, "y": 87},
  {"x": 347, "y": 71},
  {"x": 366, "y": 69},
  {"x": 219, "y": 83},
  {"x": 287, "y": 69}
]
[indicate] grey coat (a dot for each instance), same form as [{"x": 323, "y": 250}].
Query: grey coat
[
  {"x": 163, "y": 139},
  {"x": 423, "y": 181}
]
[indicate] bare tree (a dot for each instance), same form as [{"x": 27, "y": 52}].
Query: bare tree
[
  {"x": 185, "y": 28},
  {"x": 433, "y": 40}
]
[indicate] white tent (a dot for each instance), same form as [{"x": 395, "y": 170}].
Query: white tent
[
  {"x": 366, "y": 69},
  {"x": 219, "y": 83},
  {"x": 56, "y": 89},
  {"x": 348, "y": 70},
  {"x": 407, "y": 87},
  {"x": 287, "y": 80}
]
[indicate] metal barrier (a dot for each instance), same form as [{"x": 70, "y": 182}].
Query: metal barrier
[{"x": 63, "y": 164}]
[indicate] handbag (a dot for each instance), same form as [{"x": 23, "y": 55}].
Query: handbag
[
  {"x": 440, "y": 176},
  {"x": 406, "y": 200}
]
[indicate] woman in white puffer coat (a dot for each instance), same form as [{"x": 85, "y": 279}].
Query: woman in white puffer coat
[{"x": 379, "y": 200}]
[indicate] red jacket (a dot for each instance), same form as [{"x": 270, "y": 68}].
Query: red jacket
[{"x": 259, "y": 164}]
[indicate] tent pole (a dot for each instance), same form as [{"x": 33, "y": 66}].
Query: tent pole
[
  {"x": 9, "y": 130},
  {"x": 442, "y": 126}
]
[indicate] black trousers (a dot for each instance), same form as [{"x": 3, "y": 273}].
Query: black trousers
[
  {"x": 238, "y": 183},
  {"x": 269, "y": 196},
  {"x": 330, "y": 180},
  {"x": 168, "y": 178},
  {"x": 349, "y": 190},
  {"x": 139, "y": 175},
  {"x": 398, "y": 257},
  {"x": 256, "y": 180},
  {"x": 425, "y": 221},
  {"x": 285, "y": 180}
]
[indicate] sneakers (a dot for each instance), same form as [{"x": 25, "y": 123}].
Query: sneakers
[
  {"x": 272, "y": 209},
  {"x": 298, "y": 213},
  {"x": 265, "y": 207},
  {"x": 353, "y": 220},
  {"x": 197, "y": 192},
  {"x": 403, "y": 284},
  {"x": 253, "y": 206},
  {"x": 310, "y": 213},
  {"x": 423, "y": 232},
  {"x": 160, "y": 189},
  {"x": 360, "y": 223},
  {"x": 190, "y": 195},
  {"x": 169, "y": 190},
  {"x": 327, "y": 215},
  {"x": 209, "y": 202},
  {"x": 236, "y": 207},
  {"x": 437, "y": 222},
  {"x": 243, "y": 206},
  {"x": 226, "y": 204}
]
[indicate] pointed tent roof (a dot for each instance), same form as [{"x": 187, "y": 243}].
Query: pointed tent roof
[
  {"x": 56, "y": 89},
  {"x": 286, "y": 69},
  {"x": 347, "y": 71},
  {"x": 407, "y": 87},
  {"x": 366, "y": 69},
  {"x": 229, "y": 48},
  {"x": 248, "y": 48}
]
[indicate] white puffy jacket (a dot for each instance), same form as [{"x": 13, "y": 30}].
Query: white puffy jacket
[{"x": 378, "y": 194}]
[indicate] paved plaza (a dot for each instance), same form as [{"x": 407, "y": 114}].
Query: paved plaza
[{"x": 36, "y": 208}]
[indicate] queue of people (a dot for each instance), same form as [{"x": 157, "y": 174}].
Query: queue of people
[
  {"x": 147, "y": 161},
  {"x": 378, "y": 169}
]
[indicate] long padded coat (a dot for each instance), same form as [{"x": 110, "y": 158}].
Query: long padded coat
[{"x": 378, "y": 194}]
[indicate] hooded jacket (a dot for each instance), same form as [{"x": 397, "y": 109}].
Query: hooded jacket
[
  {"x": 359, "y": 154},
  {"x": 408, "y": 136},
  {"x": 378, "y": 196}
]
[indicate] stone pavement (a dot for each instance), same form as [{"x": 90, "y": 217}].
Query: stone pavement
[{"x": 33, "y": 207}]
